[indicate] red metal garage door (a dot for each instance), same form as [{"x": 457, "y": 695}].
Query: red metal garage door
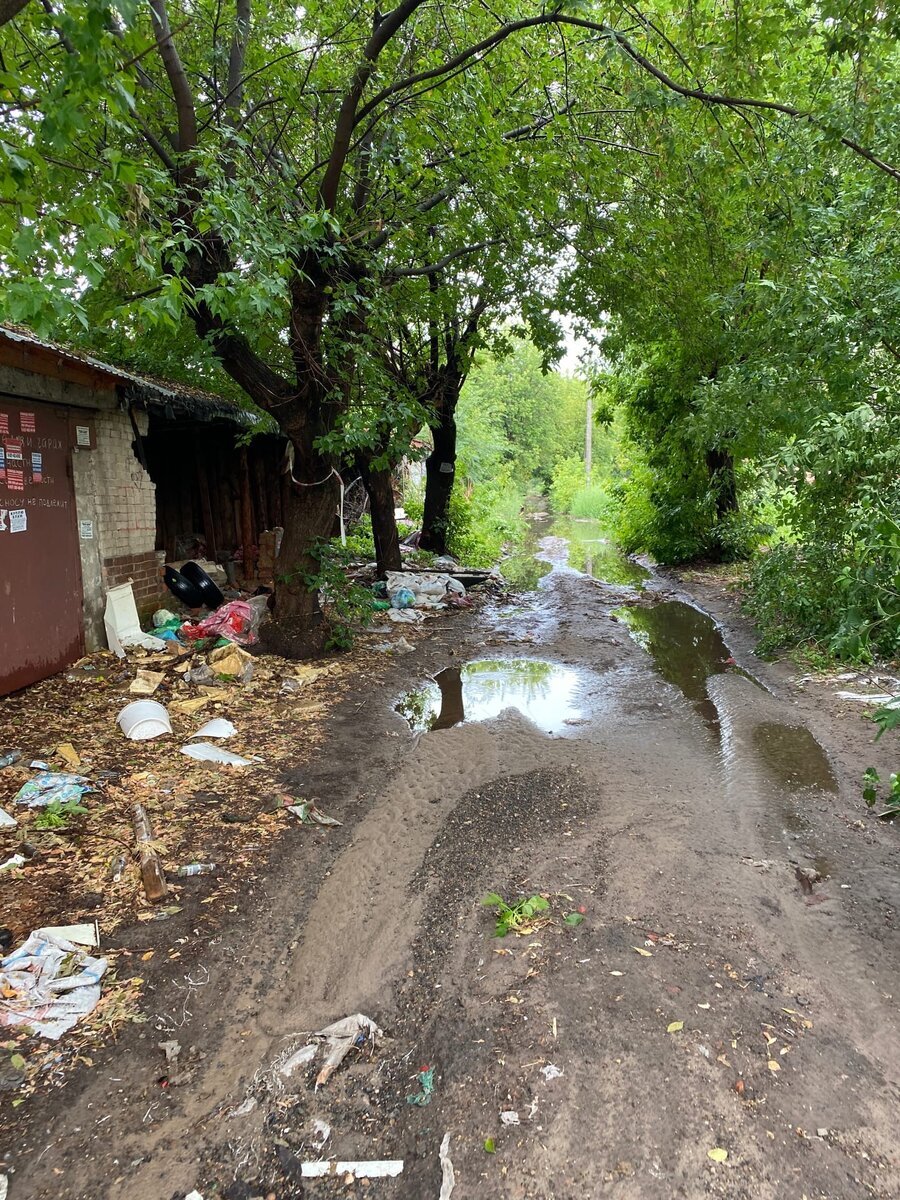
[{"x": 41, "y": 628}]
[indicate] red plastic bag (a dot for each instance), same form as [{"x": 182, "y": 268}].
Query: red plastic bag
[{"x": 237, "y": 621}]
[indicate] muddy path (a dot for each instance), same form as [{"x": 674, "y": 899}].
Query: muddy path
[{"x": 731, "y": 987}]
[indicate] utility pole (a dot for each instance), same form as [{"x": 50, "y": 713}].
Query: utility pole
[{"x": 588, "y": 436}]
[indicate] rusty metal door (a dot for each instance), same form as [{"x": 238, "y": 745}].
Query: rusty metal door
[{"x": 41, "y": 627}]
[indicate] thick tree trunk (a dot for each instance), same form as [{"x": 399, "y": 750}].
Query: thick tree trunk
[
  {"x": 297, "y": 629},
  {"x": 440, "y": 472},
  {"x": 380, "y": 490},
  {"x": 720, "y": 465}
]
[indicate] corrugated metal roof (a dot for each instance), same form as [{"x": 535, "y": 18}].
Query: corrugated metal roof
[{"x": 146, "y": 389}]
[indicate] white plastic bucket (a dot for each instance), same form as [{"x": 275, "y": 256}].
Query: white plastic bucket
[{"x": 144, "y": 719}]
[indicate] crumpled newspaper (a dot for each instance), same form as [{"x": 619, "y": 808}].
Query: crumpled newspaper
[{"x": 49, "y": 983}]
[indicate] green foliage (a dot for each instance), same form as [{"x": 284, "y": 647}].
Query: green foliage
[
  {"x": 484, "y": 518},
  {"x": 347, "y": 605},
  {"x": 360, "y": 542},
  {"x": 58, "y": 813},
  {"x": 518, "y": 917},
  {"x": 872, "y": 791}
]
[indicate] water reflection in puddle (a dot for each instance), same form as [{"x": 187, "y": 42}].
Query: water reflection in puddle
[
  {"x": 686, "y": 646},
  {"x": 582, "y": 545},
  {"x": 541, "y": 691}
]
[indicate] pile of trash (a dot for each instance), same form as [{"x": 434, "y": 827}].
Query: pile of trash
[{"x": 410, "y": 594}]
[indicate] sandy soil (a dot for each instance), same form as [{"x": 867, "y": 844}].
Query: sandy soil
[{"x": 710, "y": 1000}]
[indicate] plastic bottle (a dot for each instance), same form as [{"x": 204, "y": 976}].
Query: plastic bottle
[
  {"x": 116, "y": 868},
  {"x": 195, "y": 869},
  {"x": 12, "y": 756}
]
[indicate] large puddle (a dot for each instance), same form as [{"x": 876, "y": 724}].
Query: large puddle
[
  {"x": 686, "y": 646},
  {"x": 541, "y": 691}
]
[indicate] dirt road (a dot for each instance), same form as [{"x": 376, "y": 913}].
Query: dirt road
[{"x": 722, "y": 1022}]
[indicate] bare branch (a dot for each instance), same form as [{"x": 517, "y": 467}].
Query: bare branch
[{"x": 437, "y": 267}]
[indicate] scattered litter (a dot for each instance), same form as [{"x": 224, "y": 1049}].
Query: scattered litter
[
  {"x": 401, "y": 646},
  {"x": 145, "y": 683},
  {"x": 380, "y": 1169},
  {"x": 426, "y": 1083},
  {"x": 448, "y": 1176},
  {"x": 48, "y": 787},
  {"x": 202, "y": 674},
  {"x": 49, "y": 984},
  {"x": 883, "y": 699},
  {"x": 232, "y": 662},
  {"x": 17, "y": 860},
  {"x": 298, "y": 1059},
  {"x": 189, "y": 707},
  {"x": 123, "y": 629},
  {"x": 195, "y": 869},
  {"x": 142, "y": 720},
  {"x": 309, "y": 814},
  {"x": 170, "y": 1049},
  {"x": 551, "y": 1072},
  {"x": 340, "y": 1037},
  {"x": 87, "y": 934},
  {"x": 245, "y": 1109},
  {"x": 7, "y": 821},
  {"x": 38, "y": 764},
  {"x": 4, "y": 1186},
  {"x": 218, "y": 727},
  {"x": 207, "y": 752},
  {"x": 195, "y": 1195},
  {"x": 11, "y": 756},
  {"x": 510, "y": 1117},
  {"x": 69, "y": 755},
  {"x": 321, "y": 1133},
  {"x": 405, "y": 616}
]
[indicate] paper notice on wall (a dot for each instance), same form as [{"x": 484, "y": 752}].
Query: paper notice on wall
[
  {"x": 14, "y": 452},
  {"x": 3, "y": 515},
  {"x": 15, "y": 479},
  {"x": 4, "y": 422},
  {"x": 2, "y": 464},
  {"x": 26, "y": 422},
  {"x": 83, "y": 435},
  {"x": 87, "y": 529},
  {"x": 37, "y": 467},
  {"x": 18, "y": 520}
]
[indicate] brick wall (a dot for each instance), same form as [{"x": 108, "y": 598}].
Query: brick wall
[
  {"x": 144, "y": 571},
  {"x": 117, "y": 495}
]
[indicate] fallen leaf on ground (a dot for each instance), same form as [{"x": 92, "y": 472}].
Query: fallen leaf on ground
[
  {"x": 717, "y": 1154},
  {"x": 643, "y": 953},
  {"x": 675, "y": 1027},
  {"x": 773, "y": 1065}
]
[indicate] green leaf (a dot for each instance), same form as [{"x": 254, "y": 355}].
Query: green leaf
[
  {"x": 489, "y": 1145},
  {"x": 17, "y": 1062}
]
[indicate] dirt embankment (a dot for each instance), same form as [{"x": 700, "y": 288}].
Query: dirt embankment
[{"x": 720, "y": 1023}]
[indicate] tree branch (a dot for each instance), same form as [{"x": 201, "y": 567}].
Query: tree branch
[
  {"x": 178, "y": 80},
  {"x": 384, "y": 29},
  {"x": 437, "y": 267}
]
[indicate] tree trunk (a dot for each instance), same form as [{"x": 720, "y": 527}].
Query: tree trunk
[
  {"x": 380, "y": 490},
  {"x": 298, "y": 629},
  {"x": 440, "y": 471},
  {"x": 720, "y": 465}
]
